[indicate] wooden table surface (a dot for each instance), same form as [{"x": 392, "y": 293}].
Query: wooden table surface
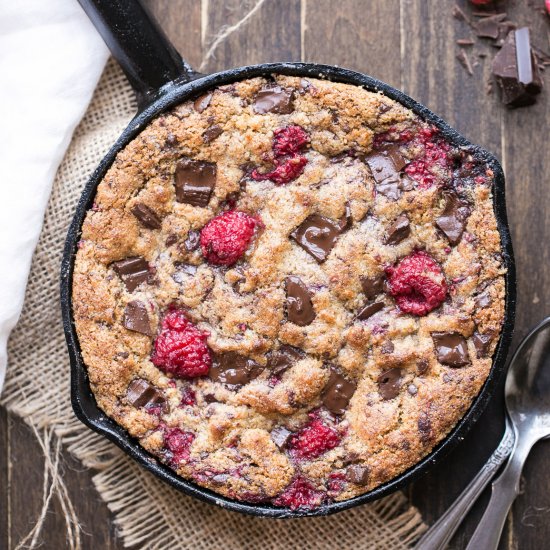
[{"x": 411, "y": 45}]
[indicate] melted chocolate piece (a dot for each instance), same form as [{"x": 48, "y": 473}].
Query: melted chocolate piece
[
  {"x": 399, "y": 230},
  {"x": 212, "y": 133},
  {"x": 451, "y": 349},
  {"x": 317, "y": 235},
  {"x": 483, "y": 300},
  {"x": 234, "y": 369},
  {"x": 282, "y": 359},
  {"x": 482, "y": 343},
  {"x": 372, "y": 286},
  {"x": 299, "y": 307},
  {"x": 195, "y": 181},
  {"x": 148, "y": 217},
  {"x": 202, "y": 102},
  {"x": 142, "y": 393},
  {"x": 274, "y": 99},
  {"x": 171, "y": 239},
  {"x": 389, "y": 383},
  {"x": 453, "y": 218},
  {"x": 280, "y": 436},
  {"x": 422, "y": 365},
  {"x": 136, "y": 318},
  {"x": 358, "y": 474},
  {"x": 346, "y": 221},
  {"x": 369, "y": 309},
  {"x": 386, "y": 164},
  {"x": 424, "y": 427},
  {"x": 133, "y": 271},
  {"x": 192, "y": 241},
  {"x": 516, "y": 71},
  {"x": 337, "y": 393}
]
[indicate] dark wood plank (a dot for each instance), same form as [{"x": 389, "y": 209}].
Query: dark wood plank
[
  {"x": 271, "y": 34},
  {"x": 4, "y": 480},
  {"x": 343, "y": 34}
]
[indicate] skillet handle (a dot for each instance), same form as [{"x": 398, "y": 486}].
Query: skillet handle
[{"x": 137, "y": 42}]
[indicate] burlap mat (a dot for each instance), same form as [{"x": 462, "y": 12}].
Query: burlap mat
[{"x": 148, "y": 513}]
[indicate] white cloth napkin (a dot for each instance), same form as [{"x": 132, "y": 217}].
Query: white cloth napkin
[{"x": 51, "y": 58}]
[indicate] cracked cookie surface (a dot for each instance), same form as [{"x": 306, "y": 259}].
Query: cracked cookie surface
[{"x": 289, "y": 291}]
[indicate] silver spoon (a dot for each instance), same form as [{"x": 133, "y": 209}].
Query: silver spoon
[
  {"x": 527, "y": 394},
  {"x": 439, "y": 535}
]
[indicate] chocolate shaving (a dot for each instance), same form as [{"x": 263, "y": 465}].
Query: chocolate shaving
[{"x": 465, "y": 61}]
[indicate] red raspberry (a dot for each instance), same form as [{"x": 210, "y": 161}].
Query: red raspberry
[
  {"x": 314, "y": 439},
  {"x": 300, "y": 494},
  {"x": 283, "y": 172},
  {"x": 178, "y": 442},
  {"x": 180, "y": 348},
  {"x": 289, "y": 140},
  {"x": 188, "y": 397},
  {"x": 417, "y": 283},
  {"x": 225, "y": 238},
  {"x": 424, "y": 169}
]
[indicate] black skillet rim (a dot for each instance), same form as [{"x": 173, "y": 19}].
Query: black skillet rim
[{"x": 82, "y": 399}]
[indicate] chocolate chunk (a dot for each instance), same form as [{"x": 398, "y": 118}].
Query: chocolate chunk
[
  {"x": 202, "y": 102},
  {"x": 234, "y": 369},
  {"x": 133, "y": 271},
  {"x": 422, "y": 365},
  {"x": 346, "y": 221},
  {"x": 210, "y": 398},
  {"x": 483, "y": 300},
  {"x": 372, "y": 286},
  {"x": 280, "y": 436},
  {"x": 453, "y": 218},
  {"x": 516, "y": 71},
  {"x": 317, "y": 236},
  {"x": 299, "y": 307},
  {"x": 389, "y": 383},
  {"x": 358, "y": 474},
  {"x": 171, "y": 239},
  {"x": 386, "y": 164},
  {"x": 465, "y": 42},
  {"x": 399, "y": 230},
  {"x": 482, "y": 343},
  {"x": 195, "y": 181},
  {"x": 369, "y": 309},
  {"x": 148, "y": 217},
  {"x": 390, "y": 188},
  {"x": 283, "y": 358},
  {"x": 338, "y": 392},
  {"x": 142, "y": 393},
  {"x": 212, "y": 133},
  {"x": 274, "y": 99},
  {"x": 192, "y": 241},
  {"x": 136, "y": 318},
  {"x": 488, "y": 27},
  {"x": 424, "y": 427},
  {"x": 451, "y": 349}
]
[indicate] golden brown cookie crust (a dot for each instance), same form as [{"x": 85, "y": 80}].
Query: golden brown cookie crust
[{"x": 243, "y": 306}]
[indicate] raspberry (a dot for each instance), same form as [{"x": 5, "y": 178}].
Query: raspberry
[
  {"x": 225, "y": 238},
  {"x": 424, "y": 169},
  {"x": 289, "y": 140},
  {"x": 392, "y": 136},
  {"x": 417, "y": 283},
  {"x": 188, "y": 397},
  {"x": 180, "y": 348},
  {"x": 178, "y": 443},
  {"x": 283, "y": 172},
  {"x": 313, "y": 440},
  {"x": 300, "y": 494}
]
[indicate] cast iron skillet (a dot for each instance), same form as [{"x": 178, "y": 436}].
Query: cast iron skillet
[{"x": 161, "y": 79}]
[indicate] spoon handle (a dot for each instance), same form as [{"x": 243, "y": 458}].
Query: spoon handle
[
  {"x": 441, "y": 532},
  {"x": 504, "y": 491}
]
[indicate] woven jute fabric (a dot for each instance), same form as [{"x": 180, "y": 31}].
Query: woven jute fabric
[{"x": 148, "y": 513}]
